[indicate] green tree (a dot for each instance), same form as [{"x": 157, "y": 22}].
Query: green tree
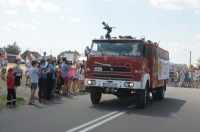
[
  {"x": 1, "y": 51},
  {"x": 12, "y": 48},
  {"x": 198, "y": 63},
  {"x": 24, "y": 55},
  {"x": 178, "y": 65}
]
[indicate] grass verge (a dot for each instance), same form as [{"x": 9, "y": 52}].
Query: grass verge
[{"x": 3, "y": 100}]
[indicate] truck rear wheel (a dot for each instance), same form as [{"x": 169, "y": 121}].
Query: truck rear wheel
[
  {"x": 154, "y": 95},
  {"x": 95, "y": 95},
  {"x": 161, "y": 93},
  {"x": 142, "y": 98}
]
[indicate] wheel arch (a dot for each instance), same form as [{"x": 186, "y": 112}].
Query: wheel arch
[{"x": 145, "y": 80}]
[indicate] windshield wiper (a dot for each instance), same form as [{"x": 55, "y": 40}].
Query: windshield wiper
[
  {"x": 127, "y": 53},
  {"x": 101, "y": 51}
]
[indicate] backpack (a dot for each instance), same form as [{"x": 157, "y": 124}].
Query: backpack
[{"x": 49, "y": 74}]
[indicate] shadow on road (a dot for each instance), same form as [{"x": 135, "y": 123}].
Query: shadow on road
[{"x": 160, "y": 108}]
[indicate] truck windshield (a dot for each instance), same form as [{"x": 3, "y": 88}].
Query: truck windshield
[{"x": 116, "y": 49}]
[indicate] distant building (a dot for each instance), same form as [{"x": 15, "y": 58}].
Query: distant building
[
  {"x": 69, "y": 52},
  {"x": 70, "y": 55},
  {"x": 24, "y": 55}
]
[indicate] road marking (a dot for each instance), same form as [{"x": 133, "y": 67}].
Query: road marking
[
  {"x": 111, "y": 116},
  {"x": 102, "y": 122},
  {"x": 93, "y": 121}
]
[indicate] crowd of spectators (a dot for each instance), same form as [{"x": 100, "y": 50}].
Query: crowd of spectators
[
  {"x": 53, "y": 76},
  {"x": 184, "y": 77}
]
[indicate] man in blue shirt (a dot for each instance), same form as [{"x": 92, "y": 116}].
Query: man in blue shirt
[
  {"x": 42, "y": 82},
  {"x": 44, "y": 56},
  {"x": 50, "y": 78},
  {"x": 65, "y": 75}
]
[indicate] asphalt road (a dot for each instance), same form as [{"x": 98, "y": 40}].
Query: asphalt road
[{"x": 178, "y": 112}]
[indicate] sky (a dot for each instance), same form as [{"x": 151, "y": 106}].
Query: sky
[{"x": 60, "y": 25}]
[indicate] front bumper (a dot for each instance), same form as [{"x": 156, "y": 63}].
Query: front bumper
[{"x": 117, "y": 83}]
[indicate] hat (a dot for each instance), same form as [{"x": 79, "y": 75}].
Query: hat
[{"x": 10, "y": 69}]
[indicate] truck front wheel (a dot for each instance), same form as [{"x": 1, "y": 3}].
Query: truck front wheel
[
  {"x": 142, "y": 98},
  {"x": 95, "y": 95}
]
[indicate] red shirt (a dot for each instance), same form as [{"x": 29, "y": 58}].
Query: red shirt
[
  {"x": 10, "y": 82},
  {"x": 59, "y": 77}
]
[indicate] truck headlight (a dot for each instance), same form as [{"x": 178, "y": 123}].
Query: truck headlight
[
  {"x": 129, "y": 84},
  {"x": 87, "y": 69},
  {"x": 91, "y": 82},
  {"x": 126, "y": 84}
]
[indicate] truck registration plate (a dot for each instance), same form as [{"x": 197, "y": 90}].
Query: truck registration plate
[
  {"x": 110, "y": 85},
  {"x": 97, "y": 68}
]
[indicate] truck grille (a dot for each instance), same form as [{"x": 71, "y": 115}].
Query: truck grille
[
  {"x": 115, "y": 68},
  {"x": 114, "y": 77}
]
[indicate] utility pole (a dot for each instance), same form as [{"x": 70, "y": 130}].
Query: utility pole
[{"x": 190, "y": 57}]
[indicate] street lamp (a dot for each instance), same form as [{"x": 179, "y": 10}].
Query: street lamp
[{"x": 190, "y": 56}]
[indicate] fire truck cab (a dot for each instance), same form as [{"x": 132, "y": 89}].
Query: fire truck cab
[{"x": 125, "y": 67}]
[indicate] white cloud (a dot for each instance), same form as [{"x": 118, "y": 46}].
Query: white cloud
[
  {"x": 197, "y": 36},
  {"x": 178, "y": 54},
  {"x": 9, "y": 12},
  {"x": 36, "y": 22},
  {"x": 182, "y": 26},
  {"x": 66, "y": 9},
  {"x": 61, "y": 17},
  {"x": 20, "y": 26},
  {"x": 32, "y": 5},
  {"x": 107, "y": 0},
  {"x": 75, "y": 19},
  {"x": 176, "y": 4}
]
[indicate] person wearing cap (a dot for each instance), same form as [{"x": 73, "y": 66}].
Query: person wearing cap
[{"x": 11, "y": 96}]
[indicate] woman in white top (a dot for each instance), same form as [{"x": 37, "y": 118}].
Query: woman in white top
[
  {"x": 194, "y": 78},
  {"x": 18, "y": 73},
  {"x": 28, "y": 67},
  {"x": 75, "y": 79},
  {"x": 182, "y": 77},
  {"x": 82, "y": 78},
  {"x": 4, "y": 64}
]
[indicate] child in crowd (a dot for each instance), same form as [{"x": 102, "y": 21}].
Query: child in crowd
[
  {"x": 11, "y": 96},
  {"x": 34, "y": 72},
  {"x": 81, "y": 80},
  {"x": 75, "y": 79},
  {"x": 42, "y": 93},
  {"x": 58, "y": 79}
]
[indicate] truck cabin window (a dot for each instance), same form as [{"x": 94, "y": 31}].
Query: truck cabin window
[{"x": 117, "y": 49}]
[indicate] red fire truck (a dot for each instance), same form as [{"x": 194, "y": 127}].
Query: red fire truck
[{"x": 126, "y": 66}]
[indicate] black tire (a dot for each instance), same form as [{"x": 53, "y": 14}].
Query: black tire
[
  {"x": 154, "y": 95},
  {"x": 95, "y": 95},
  {"x": 142, "y": 98},
  {"x": 161, "y": 93}
]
